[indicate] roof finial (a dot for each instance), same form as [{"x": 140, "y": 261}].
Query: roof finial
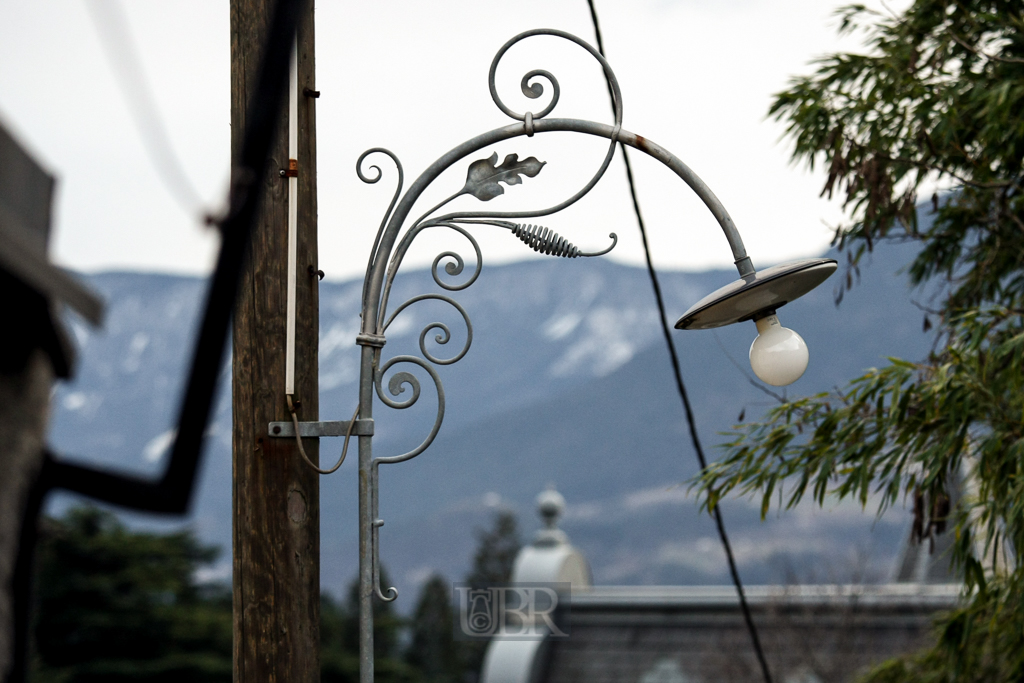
[{"x": 550, "y": 506}]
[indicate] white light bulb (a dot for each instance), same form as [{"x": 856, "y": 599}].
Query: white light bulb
[{"x": 779, "y": 355}]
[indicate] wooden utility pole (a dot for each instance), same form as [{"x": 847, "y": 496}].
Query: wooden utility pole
[{"x": 276, "y": 496}]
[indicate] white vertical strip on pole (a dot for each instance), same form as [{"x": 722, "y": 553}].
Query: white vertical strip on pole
[{"x": 293, "y": 188}]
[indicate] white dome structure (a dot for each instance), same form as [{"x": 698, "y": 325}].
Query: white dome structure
[{"x": 549, "y": 559}]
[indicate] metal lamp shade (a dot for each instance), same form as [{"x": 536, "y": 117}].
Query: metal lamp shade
[{"x": 763, "y": 291}]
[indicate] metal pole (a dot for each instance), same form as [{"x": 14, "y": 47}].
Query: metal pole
[{"x": 365, "y": 521}]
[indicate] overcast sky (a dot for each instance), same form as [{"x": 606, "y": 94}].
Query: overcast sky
[{"x": 697, "y": 78}]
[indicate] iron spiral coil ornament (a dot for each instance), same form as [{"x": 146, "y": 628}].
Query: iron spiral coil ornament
[{"x": 546, "y": 241}]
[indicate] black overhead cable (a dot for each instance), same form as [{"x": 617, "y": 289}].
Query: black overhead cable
[{"x": 716, "y": 511}]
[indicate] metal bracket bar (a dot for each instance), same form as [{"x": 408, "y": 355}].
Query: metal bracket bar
[{"x": 318, "y": 429}]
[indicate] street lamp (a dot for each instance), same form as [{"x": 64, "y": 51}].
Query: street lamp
[{"x": 778, "y": 355}]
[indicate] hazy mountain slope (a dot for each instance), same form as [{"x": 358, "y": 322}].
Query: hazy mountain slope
[{"x": 567, "y": 381}]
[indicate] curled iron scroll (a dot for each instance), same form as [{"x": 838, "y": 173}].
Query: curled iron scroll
[
  {"x": 454, "y": 267},
  {"x": 534, "y": 90},
  {"x": 370, "y": 180},
  {"x": 392, "y": 593},
  {"x": 445, "y": 333},
  {"x": 396, "y": 386}
]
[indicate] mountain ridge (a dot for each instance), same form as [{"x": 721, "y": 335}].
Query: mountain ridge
[{"x": 567, "y": 380}]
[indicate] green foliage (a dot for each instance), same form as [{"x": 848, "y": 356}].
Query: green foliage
[
  {"x": 433, "y": 650},
  {"x": 496, "y": 552},
  {"x": 939, "y": 95},
  {"x": 339, "y": 639},
  {"x": 937, "y": 98},
  {"x": 493, "y": 561},
  {"x": 119, "y": 605},
  {"x": 339, "y": 654}
]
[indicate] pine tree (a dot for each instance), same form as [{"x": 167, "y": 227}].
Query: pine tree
[
  {"x": 433, "y": 650},
  {"x": 493, "y": 560},
  {"x": 389, "y": 666},
  {"x": 496, "y": 552},
  {"x": 121, "y": 605},
  {"x": 339, "y": 654}
]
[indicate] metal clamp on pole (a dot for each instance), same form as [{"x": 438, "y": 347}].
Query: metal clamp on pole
[{"x": 318, "y": 429}]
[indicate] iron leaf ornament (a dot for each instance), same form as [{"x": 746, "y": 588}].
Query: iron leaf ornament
[{"x": 484, "y": 176}]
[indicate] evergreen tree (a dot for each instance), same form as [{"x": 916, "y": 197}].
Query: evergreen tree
[
  {"x": 339, "y": 655},
  {"x": 433, "y": 650},
  {"x": 339, "y": 659},
  {"x": 121, "y": 605},
  {"x": 937, "y": 97},
  {"x": 496, "y": 551},
  {"x": 493, "y": 560}
]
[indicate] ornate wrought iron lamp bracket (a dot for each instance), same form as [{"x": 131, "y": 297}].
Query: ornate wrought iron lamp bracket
[{"x": 484, "y": 179}]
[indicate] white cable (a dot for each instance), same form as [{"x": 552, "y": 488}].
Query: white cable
[{"x": 293, "y": 188}]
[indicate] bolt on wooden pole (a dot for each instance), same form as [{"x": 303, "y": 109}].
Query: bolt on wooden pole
[{"x": 276, "y": 496}]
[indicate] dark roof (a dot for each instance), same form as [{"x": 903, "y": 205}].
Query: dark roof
[{"x": 697, "y": 634}]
